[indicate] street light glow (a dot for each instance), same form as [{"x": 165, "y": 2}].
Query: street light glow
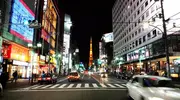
[
  {"x": 59, "y": 55},
  {"x": 30, "y": 45},
  {"x": 39, "y": 45},
  {"x": 146, "y": 25}
]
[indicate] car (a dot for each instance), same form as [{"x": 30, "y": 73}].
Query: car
[
  {"x": 1, "y": 90},
  {"x": 147, "y": 87},
  {"x": 47, "y": 78},
  {"x": 73, "y": 76},
  {"x": 104, "y": 74}
]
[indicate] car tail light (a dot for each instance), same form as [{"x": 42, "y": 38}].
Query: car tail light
[
  {"x": 48, "y": 78},
  {"x": 39, "y": 78}
]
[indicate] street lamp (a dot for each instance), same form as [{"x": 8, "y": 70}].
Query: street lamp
[
  {"x": 59, "y": 55},
  {"x": 164, "y": 36},
  {"x": 39, "y": 45},
  {"x": 30, "y": 45}
]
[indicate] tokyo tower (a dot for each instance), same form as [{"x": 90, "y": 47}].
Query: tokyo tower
[{"x": 90, "y": 54}]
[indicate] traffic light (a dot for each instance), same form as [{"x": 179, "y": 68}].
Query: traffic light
[{"x": 33, "y": 24}]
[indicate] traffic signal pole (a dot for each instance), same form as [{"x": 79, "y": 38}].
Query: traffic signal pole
[{"x": 165, "y": 41}]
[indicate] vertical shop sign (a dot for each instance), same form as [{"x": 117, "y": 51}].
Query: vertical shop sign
[{"x": 1, "y": 39}]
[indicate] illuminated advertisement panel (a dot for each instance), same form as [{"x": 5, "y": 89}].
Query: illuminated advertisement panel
[
  {"x": 108, "y": 37},
  {"x": 66, "y": 43},
  {"x": 49, "y": 22},
  {"x": 21, "y": 13}
]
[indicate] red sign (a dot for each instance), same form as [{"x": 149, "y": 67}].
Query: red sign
[
  {"x": 6, "y": 51},
  {"x": 44, "y": 35}
]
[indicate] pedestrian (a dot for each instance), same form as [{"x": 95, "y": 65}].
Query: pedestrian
[
  {"x": 15, "y": 76},
  {"x": 4, "y": 78}
]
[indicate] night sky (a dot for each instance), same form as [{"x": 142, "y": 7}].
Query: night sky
[{"x": 90, "y": 18}]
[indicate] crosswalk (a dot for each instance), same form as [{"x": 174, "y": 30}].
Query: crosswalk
[{"x": 76, "y": 86}]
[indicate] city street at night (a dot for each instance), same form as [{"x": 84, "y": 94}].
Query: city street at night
[
  {"x": 87, "y": 88},
  {"x": 89, "y": 50}
]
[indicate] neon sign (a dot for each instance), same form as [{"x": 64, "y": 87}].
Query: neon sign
[{"x": 20, "y": 14}]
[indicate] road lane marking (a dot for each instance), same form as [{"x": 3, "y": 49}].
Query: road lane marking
[
  {"x": 83, "y": 76},
  {"x": 62, "y": 80},
  {"x": 46, "y": 86},
  {"x": 86, "y": 85},
  {"x": 95, "y": 85},
  {"x": 62, "y": 86},
  {"x": 65, "y": 89},
  {"x": 70, "y": 86},
  {"x": 123, "y": 85},
  {"x": 119, "y": 85},
  {"x": 111, "y": 85},
  {"x": 30, "y": 87},
  {"x": 93, "y": 76},
  {"x": 37, "y": 86},
  {"x": 78, "y": 86},
  {"x": 54, "y": 86},
  {"x": 103, "y": 85}
]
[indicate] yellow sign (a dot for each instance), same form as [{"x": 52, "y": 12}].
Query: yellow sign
[{"x": 19, "y": 53}]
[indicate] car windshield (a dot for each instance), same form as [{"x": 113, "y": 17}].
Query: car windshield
[
  {"x": 153, "y": 82},
  {"x": 74, "y": 74}
]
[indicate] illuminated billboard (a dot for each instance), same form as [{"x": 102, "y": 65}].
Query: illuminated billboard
[
  {"x": 108, "y": 37},
  {"x": 49, "y": 22},
  {"x": 20, "y": 14}
]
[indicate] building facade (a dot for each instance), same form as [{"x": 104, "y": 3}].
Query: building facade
[
  {"x": 67, "y": 55},
  {"x": 138, "y": 32},
  {"x": 17, "y": 35}
]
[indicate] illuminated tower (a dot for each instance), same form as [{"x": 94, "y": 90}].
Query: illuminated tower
[{"x": 90, "y": 54}]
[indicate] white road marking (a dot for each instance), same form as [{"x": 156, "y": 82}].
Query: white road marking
[
  {"x": 89, "y": 89},
  {"x": 83, "y": 76},
  {"x": 95, "y": 79},
  {"x": 111, "y": 85},
  {"x": 54, "y": 86},
  {"x": 70, "y": 86},
  {"x": 78, "y": 86},
  {"x": 94, "y": 85},
  {"x": 119, "y": 85},
  {"x": 123, "y": 85},
  {"x": 86, "y": 85},
  {"x": 31, "y": 86},
  {"x": 62, "y": 80},
  {"x": 37, "y": 86},
  {"x": 62, "y": 86},
  {"x": 46, "y": 86},
  {"x": 103, "y": 85}
]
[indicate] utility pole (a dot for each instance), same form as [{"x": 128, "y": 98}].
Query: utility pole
[{"x": 165, "y": 40}]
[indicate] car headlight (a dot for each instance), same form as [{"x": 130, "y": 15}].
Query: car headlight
[{"x": 155, "y": 98}]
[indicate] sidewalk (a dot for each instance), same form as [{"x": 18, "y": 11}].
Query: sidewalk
[{"x": 19, "y": 83}]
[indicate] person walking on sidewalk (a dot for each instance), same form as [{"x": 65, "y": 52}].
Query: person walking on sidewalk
[
  {"x": 15, "y": 76},
  {"x": 4, "y": 78}
]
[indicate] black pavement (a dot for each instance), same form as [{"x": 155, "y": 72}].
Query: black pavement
[{"x": 88, "y": 88}]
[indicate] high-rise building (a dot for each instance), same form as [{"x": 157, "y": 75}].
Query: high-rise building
[
  {"x": 90, "y": 54},
  {"x": 138, "y": 31}
]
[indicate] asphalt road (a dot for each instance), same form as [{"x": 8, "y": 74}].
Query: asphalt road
[{"x": 89, "y": 88}]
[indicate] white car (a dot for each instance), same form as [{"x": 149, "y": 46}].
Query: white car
[
  {"x": 146, "y": 87},
  {"x": 1, "y": 90}
]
